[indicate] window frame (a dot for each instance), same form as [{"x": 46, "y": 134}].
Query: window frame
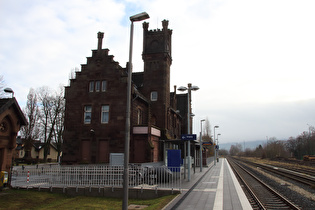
[
  {"x": 106, "y": 111},
  {"x": 87, "y": 113},
  {"x": 104, "y": 86},
  {"x": 97, "y": 86},
  {"x": 154, "y": 96},
  {"x": 91, "y": 86}
]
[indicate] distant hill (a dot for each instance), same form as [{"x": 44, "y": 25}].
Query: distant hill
[{"x": 247, "y": 144}]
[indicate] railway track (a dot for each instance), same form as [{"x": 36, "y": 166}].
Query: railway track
[
  {"x": 300, "y": 170},
  {"x": 260, "y": 195},
  {"x": 296, "y": 175}
]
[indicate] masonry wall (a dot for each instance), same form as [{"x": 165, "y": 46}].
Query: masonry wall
[
  {"x": 77, "y": 135},
  {"x": 11, "y": 120}
]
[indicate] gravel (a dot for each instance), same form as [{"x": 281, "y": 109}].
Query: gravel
[{"x": 301, "y": 195}]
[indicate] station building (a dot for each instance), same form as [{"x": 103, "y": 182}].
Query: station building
[{"x": 95, "y": 113}]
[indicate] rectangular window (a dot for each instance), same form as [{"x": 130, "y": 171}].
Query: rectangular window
[
  {"x": 87, "y": 114},
  {"x": 104, "y": 85},
  {"x": 97, "y": 86},
  {"x": 154, "y": 96},
  {"x": 139, "y": 116},
  {"x": 105, "y": 114},
  {"x": 91, "y": 86}
]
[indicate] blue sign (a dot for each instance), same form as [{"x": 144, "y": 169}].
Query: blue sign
[
  {"x": 189, "y": 137},
  {"x": 173, "y": 160}
]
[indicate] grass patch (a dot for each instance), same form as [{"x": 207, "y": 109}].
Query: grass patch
[{"x": 28, "y": 199}]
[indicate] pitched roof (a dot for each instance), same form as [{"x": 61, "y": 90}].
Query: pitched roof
[
  {"x": 6, "y": 103},
  {"x": 182, "y": 104},
  {"x": 137, "y": 78}
]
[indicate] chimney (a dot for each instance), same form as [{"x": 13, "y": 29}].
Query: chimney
[{"x": 100, "y": 36}]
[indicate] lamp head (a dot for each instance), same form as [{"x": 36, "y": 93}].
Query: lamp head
[
  {"x": 139, "y": 17},
  {"x": 202, "y": 120},
  {"x": 182, "y": 88},
  {"x": 216, "y": 126},
  {"x": 194, "y": 88},
  {"x": 8, "y": 90}
]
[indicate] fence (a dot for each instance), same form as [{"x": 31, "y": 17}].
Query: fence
[{"x": 96, "y": 176}]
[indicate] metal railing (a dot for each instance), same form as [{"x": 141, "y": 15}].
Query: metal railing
[{"x": 96, "y": 176}]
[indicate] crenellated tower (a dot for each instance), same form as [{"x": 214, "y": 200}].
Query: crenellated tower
[{"x": 157, "y": 57}]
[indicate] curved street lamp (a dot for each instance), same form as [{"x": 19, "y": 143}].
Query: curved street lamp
[
  {"x": 189, "y": 88},
  {"x": 134, "y": 18},
  {"x": 9, "y": 90},
  {"x": 201, "y": 144},
  {"x": 215, "y": 155},
  {"x": 219, "y": 134}
]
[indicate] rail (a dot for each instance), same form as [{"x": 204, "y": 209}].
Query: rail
[{"x": 262, "y": 196}]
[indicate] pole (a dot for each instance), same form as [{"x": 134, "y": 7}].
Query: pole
[
  {"x": 219, "y": 134},
  {"x": 201, "y": 145},
  {"x": 127, "y": 129},
  {"x": 200, "y": 151},
  {"x": 188, "y": 121},
  {"x": 185, "y": 159},
  {"x": 214, "y": 146},
  {"x": 189, "y": 131}
]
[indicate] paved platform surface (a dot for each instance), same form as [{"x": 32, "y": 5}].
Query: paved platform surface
[{"x": 215, "y": 188}]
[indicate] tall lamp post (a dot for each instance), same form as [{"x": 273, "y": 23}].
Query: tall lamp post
[
  {"x": 189, "y": 88},
  {"x": 201, "y": 144},
  {"x": 134, "y": 18},
  {"x": 215, "y": 155},
  {"x": 219, "y": 134}
]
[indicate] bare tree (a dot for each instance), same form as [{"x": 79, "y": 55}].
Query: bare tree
[
  {"x": 30, "y": 132},
  {"x": 206, "y": 137},
  {"x": 52, "y": 116},
  {"x": 304, "y": 144},
  {"x": 207, "y": 130},
  {"x": 2, "y": 84},
  {"x": 291, "y": 146},
  {"x": 59, "y": 110},
  {"x": 235, "y": 149},
  {"x": 47, "y": 118},
  {"x": 276, "y": 148},
  {"x": 260, "y": 152}
]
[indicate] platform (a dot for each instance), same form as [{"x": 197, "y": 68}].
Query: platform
[{"x": 215, "y": 187}]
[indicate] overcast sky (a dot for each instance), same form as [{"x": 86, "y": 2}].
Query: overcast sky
[{"x": 253, "y": 61}]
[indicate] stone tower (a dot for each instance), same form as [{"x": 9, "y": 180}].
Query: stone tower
[{"x": 157, "y": 57}]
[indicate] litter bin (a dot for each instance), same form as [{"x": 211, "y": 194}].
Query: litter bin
[{"x": 3, "y": 179}]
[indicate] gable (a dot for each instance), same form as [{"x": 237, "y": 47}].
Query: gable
[{"x": 10, "y": 104}]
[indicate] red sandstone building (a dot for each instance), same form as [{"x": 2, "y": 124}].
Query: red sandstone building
[
  {"x": 96, "y": 105},
  {"x": 11, "y": 120}
]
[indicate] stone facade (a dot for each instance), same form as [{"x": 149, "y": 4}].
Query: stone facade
[
  {"x": 95, "y": 112},
  {"x": 11, "y": 120}
]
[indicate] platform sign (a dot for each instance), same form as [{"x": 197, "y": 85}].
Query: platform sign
[
  {"x": 207, "y": 143},
  {"x": 173, "y": 160},
  {"x": 189, "y": 137}
]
